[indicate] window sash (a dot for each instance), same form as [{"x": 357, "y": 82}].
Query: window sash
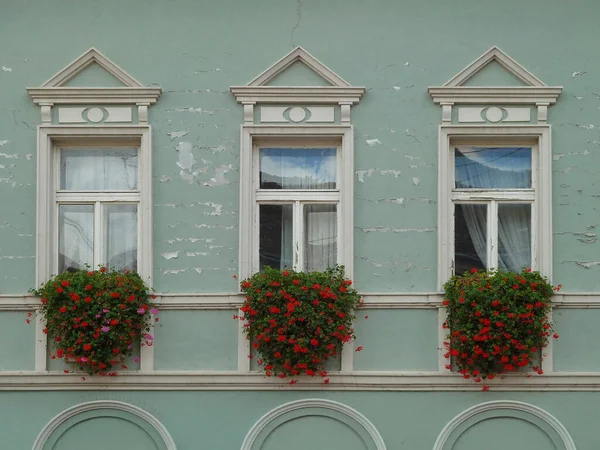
[
  {"x": 100, "y": 246},
  {"x": 297, "y": 229},
  {"x": 492, "y": 243}
]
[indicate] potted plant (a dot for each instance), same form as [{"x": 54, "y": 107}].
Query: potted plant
[
  {"x": 296, "y": 321},
  {"x": 497, "y": 322},
  {"x": 95, "y": 318}
]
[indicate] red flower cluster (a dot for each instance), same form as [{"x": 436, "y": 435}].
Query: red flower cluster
[
  {"x": 497, "y": 322},
  {"x": 95, "y": 318},
  {"x": 296, "y": 321}
]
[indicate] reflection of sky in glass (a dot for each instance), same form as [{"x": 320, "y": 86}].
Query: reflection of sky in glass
[
  {"x": 99, "y": 169},
  {"x": 75, "y": 236},
  {"x": 493, "y": 168},
  {"x": 297, "y": 168}
]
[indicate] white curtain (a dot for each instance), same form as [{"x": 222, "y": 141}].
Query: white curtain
[
  {"x": 99, "y": 169},
  {"x": 320, "y": 237},
  {"x": 498, "y": 168}
]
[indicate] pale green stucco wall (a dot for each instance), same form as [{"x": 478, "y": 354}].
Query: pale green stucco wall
[
  {"x": 195, "y": 50},
  {"x": 386, "y": 47}
]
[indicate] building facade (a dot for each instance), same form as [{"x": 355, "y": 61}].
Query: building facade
[{"x": 405, "y": 140}]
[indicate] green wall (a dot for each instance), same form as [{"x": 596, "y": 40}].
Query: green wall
[
  {"x": 210, "y": 420},
  {"x": 196, "y": 50}
]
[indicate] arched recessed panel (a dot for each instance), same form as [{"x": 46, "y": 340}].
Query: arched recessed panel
[
  {"x": 100, "y": 433},
  {"x": 317, "y": 418},
  {"x": 104, "y": 424},
  {"x": 499, "y": 421},
  {"x": 502, "y": 433},
  {"x": 314, "y": 432}
]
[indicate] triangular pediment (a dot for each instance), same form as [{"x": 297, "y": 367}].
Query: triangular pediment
[
  {"x": 298, "y": 62},
  {"x": 88, "y": 69},
  {"x": 494, "y": 66}
]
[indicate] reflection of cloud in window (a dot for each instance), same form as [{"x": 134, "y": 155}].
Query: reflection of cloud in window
[{"x": 298, "y": 168}]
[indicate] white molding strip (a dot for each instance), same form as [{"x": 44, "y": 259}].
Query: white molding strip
[
  {"x": 373, "y": 300},
  {"x": 65, "y": 415},
  {"x": 308, "y": 404},
  {"x": 236, "y": 381},
  {"x": 503, "y": 407}
]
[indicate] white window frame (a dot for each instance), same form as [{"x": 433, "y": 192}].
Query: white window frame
[
  {"x": 250, "y": 195},
  {"x": 538, "y": 137},
  {"x": 51, "y": 139}
]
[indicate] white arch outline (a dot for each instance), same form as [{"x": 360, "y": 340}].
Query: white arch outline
[
  {"x": 65, "y": 415},
  {"x": 260, "y": 425},
  {"x": 504, "y": 405}
]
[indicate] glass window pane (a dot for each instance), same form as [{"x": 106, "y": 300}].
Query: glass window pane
[
  {"x": 75, "y": 237},
  {"x": 298, "y": 168},
  {"x": 99, "y": 169},
  {"x": 276, "y": 236},
  {"x": 514, "y": 236},
  {"x": 320, "y": 237},
  {"x": 492, "y": 168},
  {"x": 121, "y": 226},
  {"x": 470, "y": 237}
]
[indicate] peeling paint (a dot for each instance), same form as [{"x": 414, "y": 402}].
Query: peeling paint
[
  {"x": 28, "y": 156},
  {"x": 177, "y": 134},
  {"x": 203, "y": 225},
  {"x": 3, "y": 143},
  {"x": 361, "y": 174},
  {"x": 208, "y": 112},
  {"x": 164, "y": 178},
  {"x": 9, "y": 155},
  {"x": 396, "y": 230},
  {"x": 218, "y": 208},
  {"x": 396, "y": 173},
  {"x": 6, "y": 69},
  {"x": 219, "y": 179},
  {"x": 215, "y": 148},
  {"x": 170, "y": 255},
  {"x": 416, "y": 181},
  {"x": 373, "y": 142},
  {"x": 373, "y": 263},
  {"x": 197, "y": 253},
  {"x": 173, "y": 271},
  {"x": 577, "y": 73},
  {"x": 585, "y": 264}
]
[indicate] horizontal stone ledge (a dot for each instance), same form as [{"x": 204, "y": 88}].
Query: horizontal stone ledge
[{"x": 415, "y": 381}]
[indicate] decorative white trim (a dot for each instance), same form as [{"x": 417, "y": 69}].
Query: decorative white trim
[
  {"x": 503, "y": 406},
  {"x": 542, "y": 212},
  {"x": 373, "y": 300},
  {"x": 46, "y": 191},
  {"x": 65, "y": 415},
  {"x": 53, "y": 91},
  {"x": 257, "y": 91},
  {"x": 299, "y": 54},
  {"x": 90, "y": 57},
  {"x": 255, "y": 381},
  {"x": 248, "y": 237},
  {"x": 495, "y": 54},
  {"x": 264, "y": 421},
  {"x": 534, "y": 91}
]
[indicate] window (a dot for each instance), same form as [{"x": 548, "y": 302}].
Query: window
[
  {"x": 495, "y": 201},
  {"x": 297, "y": 199},
  {"x": 97, "y": 202},
  {"x": 94, "y": 199},
  {"x": 493, "y": 195}
]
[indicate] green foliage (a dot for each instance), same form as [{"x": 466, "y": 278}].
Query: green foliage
[
  {"x": 296, "y": 320},
  {"x": 497, "y": 321},
  {"x": 94, "y": 318}
]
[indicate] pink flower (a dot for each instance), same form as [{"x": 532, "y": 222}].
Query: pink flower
[
  {"x": 105, "y": 329},
  {"x": 141, "y": 311},
  {"x": 148, "y": 337},
  {"x": 154, "y": 311},
  {"x": 136, "y": 359}
]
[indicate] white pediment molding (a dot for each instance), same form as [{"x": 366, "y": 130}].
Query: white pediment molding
[
  {"x": 54, "y": 90},
  {"x": 258, "y": 91},
  {"x": 534, "y": 91}
]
